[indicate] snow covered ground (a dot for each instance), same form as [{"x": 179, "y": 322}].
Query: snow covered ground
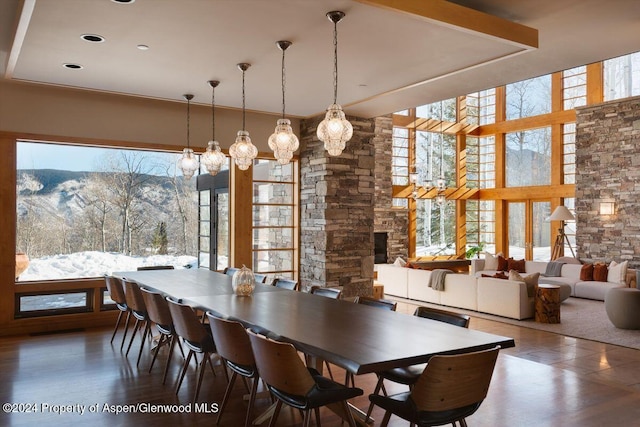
[{"x": 96, "y": 264}]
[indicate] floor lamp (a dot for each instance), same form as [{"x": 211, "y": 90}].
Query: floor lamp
[{"x": 561, "y": 214}]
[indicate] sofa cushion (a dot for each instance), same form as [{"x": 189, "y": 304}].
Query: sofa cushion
[
  {"x": 531, "y": 281},
  {"x": 503, "y": 264},
  {"x": 600, "y": 272},
  {"x": 617, "y": 272},
  {"x": 586, "y": 273},
  {"x": 491, "y": 261},
  {"x": 516, "y": 264},
  {"x": 594, "y": 290}
]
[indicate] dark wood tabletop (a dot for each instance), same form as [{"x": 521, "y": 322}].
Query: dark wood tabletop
[{"x": 359, "y": 338}]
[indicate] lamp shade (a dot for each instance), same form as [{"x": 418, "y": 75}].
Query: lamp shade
[{"x": 561, "y": 214}]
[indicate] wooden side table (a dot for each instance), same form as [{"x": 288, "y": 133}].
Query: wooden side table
[{"x": 547, "y": 304}]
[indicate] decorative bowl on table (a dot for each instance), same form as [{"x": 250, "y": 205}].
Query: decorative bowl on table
[{"x": 243, "y": 282}]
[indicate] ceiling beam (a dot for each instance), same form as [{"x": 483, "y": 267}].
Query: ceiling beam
[{"x": 463, "y": 19}]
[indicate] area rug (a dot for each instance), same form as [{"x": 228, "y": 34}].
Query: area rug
[{"x": 580, "y": 318}]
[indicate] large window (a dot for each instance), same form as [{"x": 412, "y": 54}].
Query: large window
[
  {"x": 435, "y": 228},
  {"x": 529, "y": 97},
  {"x": 528, "y": 155},
  {"x": 622, "y": 77},
  {"x": 574, "y": 87},
  {"x": 85, "y": 211},
  {"x": 481, "y": 224},
  {"x": 400, "y": 156},
  {"x": 481, "y": 107},
  {"x": 275, "y": 235},
  {"x": 481, "y": 162}
]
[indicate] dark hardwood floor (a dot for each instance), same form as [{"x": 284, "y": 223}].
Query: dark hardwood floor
[{"x": 546, "y": 380}]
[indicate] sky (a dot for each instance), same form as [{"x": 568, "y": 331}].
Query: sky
[{"x": 36, "y": 155}]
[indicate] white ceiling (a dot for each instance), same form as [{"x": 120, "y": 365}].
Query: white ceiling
[{"x": 388, "y": 60}]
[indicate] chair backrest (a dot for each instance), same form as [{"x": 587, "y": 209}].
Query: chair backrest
[
  {"x": 455, "y": 381},
  {"x": 116, "y": 291},
  {"x": 156, "y": 267},
  {"x": 326, "y": 292},
  {"x": 230, "y": 271},
  {"x": 260, "y": 278},
  {"x": 157, "y": 308},
  {"x": 280, "y": 366},
  {"x": 292, "y": 285},
  {"x": 450, "y": 317},
  {"x": 232, "y": 341},
  {"x": 133, "y": 295},
  {"x": 380, "y": 303},
  {"x": 186, "y": 322}
]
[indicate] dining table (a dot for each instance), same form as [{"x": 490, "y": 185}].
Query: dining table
[{"x": 359, "y": 338}]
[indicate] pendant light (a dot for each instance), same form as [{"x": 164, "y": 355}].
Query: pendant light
[
  {"x": 242, "y": 151},
  {"x": 213, "y": 159},
  {"x": 335, "y": 130},
  {"x": 188, "y": 163},
  {"x": 283, "y": 141}
]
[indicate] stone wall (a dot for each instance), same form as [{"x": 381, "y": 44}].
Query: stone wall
[
  {"x": 393, "y": 221},
  {"x": 608, "y": 169},
  {"x": 336, "y": 205}
]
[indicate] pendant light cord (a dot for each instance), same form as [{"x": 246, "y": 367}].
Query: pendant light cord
[
  {"x": 188, "y": 119},
  {"x": 213, "y": 114},
  {"x": 243, "y": 102},
  {"x": 283, "y": 82},
  {"x": 335, "y": 62},
  {"x": 441, "y": 142}
]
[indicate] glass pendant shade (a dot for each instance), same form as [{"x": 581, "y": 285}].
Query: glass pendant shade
[
  {"x": 213, "y": 159},
  {"x": 243, "y": 151},
  {"x": 243, "y": 282},
  {"x": 283, "y": 141},
  {"x": 188, "y": 163},
  {"x": 335, "y": 130}
]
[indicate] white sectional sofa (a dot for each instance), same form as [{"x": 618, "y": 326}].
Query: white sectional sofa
[
  {"x": 501, "y": 297},
  {"x": 506, "y": 298},
  {"x": 570, "y": 275}
]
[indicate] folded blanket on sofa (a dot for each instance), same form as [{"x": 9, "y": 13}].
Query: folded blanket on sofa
[
  {"x": 554, "y": 269},
  {"x": 436, "y": 280}
]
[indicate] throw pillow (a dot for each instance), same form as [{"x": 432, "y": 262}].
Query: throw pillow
[
  {"x": 491, "y": 261},
  {"x": 399, "y": 262},
  {"x": 600, "y": 272},
  {"x": 516, "y": 264},
  {"x": 498, "y": 275},
  {"x": 531, "y": 281},
  {"x": 617, "y": 272},
  {"x": 502, "y": 264},
  {"x": 586, "y": 273}
]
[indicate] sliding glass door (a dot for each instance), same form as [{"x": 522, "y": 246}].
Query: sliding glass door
[{"x": 529, "y": 230}]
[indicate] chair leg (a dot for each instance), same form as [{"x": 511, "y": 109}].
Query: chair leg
[
  {"x": 136, "y": 326},
  {"x": 156, "y": 350},
  {"x": 347, "y": 411},
  {"x": 329, "y": 369},
  {"x": 252, "y": 399},
  {"x": 317, "y": 411},
  {"x": 184, "y": 370},
  {"x": 147, "y": 330},
  {"x": 126, "y": 329},
  {"x": 276, "y": 412},
  {"x": 463, "y": 422},
  {"x": 227, "y": 392},
  {"x": 385, "y": 419},
  {"x": 115, "y": 329},
  {"x": 205, "y": 360},
  {"x": 306, "y": 422},
  {"x": 376, "y": 390}
]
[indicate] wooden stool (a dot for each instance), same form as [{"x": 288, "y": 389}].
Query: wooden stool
[{"x": 548, "y": 304}]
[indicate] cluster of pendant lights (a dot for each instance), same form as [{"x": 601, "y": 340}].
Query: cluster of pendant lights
[{"x": 334, "y": 131}]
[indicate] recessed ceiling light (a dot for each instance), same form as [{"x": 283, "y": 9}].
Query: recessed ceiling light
[
  {"x": 143, "y": 47},
  {"x": 123, "y": 1},
  {"x": 93, "y": 38},
  {"x": 72, "y": 66}
]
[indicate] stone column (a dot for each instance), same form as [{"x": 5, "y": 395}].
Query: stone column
[{"x": 337, "y": 210}]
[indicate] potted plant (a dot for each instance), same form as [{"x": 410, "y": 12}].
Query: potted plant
[{"x": 474, "y": 250}]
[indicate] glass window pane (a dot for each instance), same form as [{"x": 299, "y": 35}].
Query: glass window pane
[
  {"x": 272, "y": 215},
  {"x": 529, "y": 97},
  {"x": 272, "y": 238},
  {"x": 53, "y": 301},
  {"x": 435, "y": 228},
  {"x": 529, "y": 157},
  {"x": 273, "y": 261},
  {"x": 269, "y": 170},
  {"x": 622, "y": 77},
  {"x": 273, "y": 193}
]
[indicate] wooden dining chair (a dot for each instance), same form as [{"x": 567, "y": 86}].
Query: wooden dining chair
[
  {"x": 294, "y": 384},
  {"x": 116, "y": 293},
  {"x": 138, "y": 308},
  {"x": 409, "y": 375},
  {"x": 333, "y": 293},
  {"x": 324, "y": 291},
  {"x": 155, "y": 267},
  {"x": 234, "y": 347},
  {"x": 450, "y": 389},
  {"x": 230, "y": 271},
  {"x": 260, "y": 278},
  {"x": 376, "y": 302},
  {"x": 197, "y": 338},
  {"x": 158, "y": 312},
  {"x": 292, "y": 285}
]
